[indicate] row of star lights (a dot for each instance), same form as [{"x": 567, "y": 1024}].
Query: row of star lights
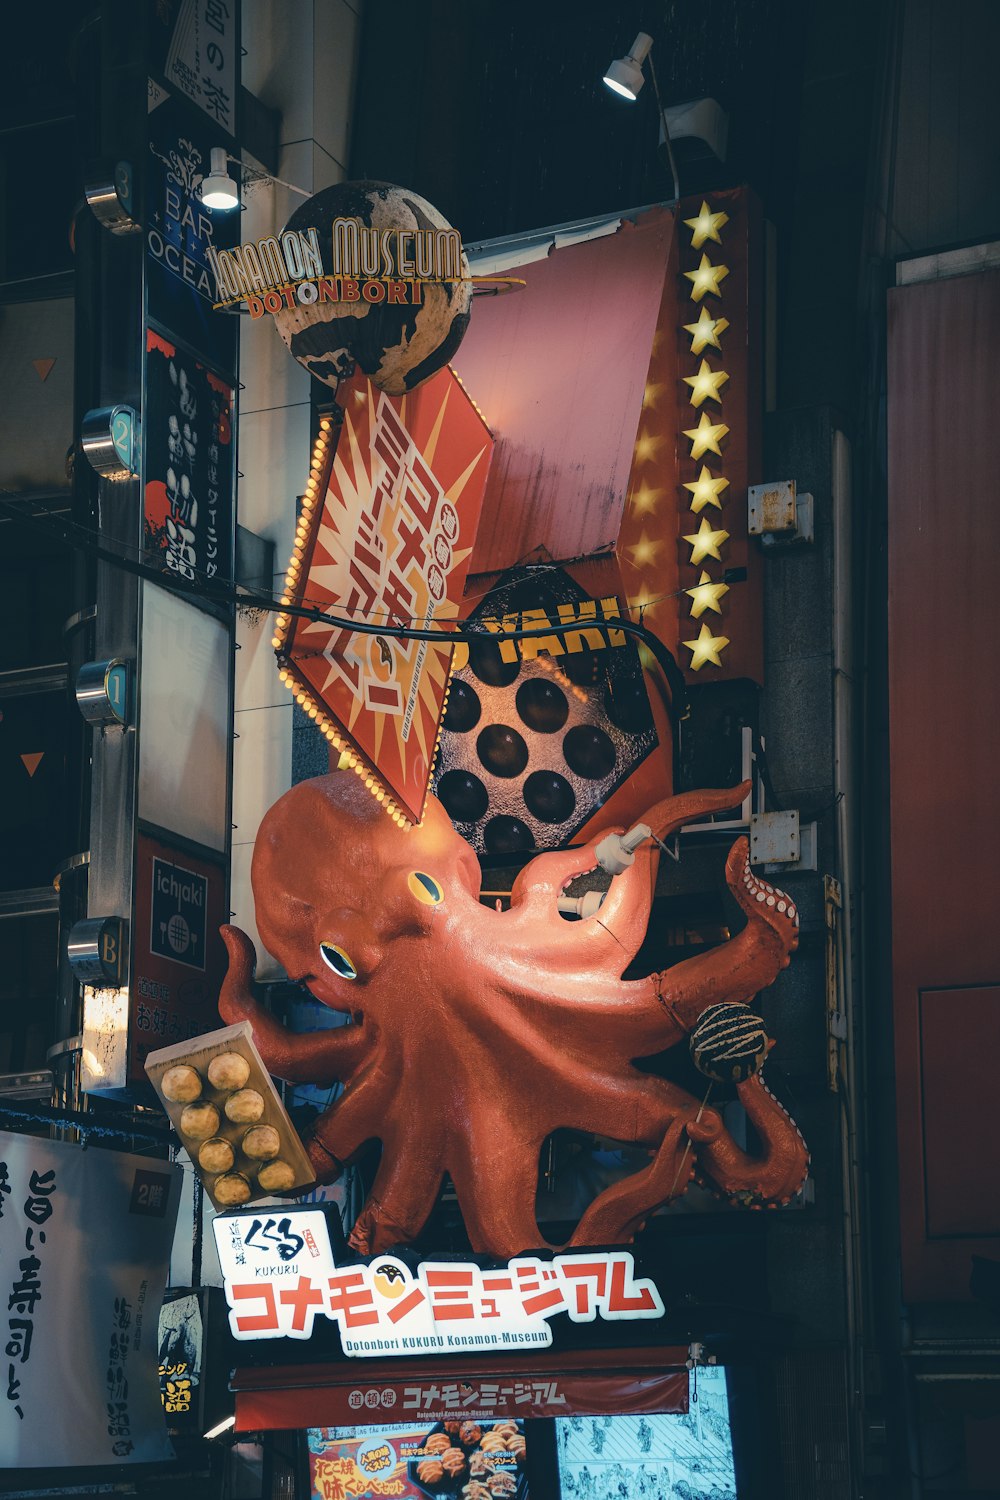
[
  {"x": 706, "y": 386},
  {"x": 349, "y": 759}
]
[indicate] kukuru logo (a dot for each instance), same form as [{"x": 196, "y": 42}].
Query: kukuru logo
[{"x": 180, "y": 898}]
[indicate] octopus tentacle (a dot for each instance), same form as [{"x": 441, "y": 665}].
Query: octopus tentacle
[
  {"x": 774, "y": 1177},
  {"x": 737, "y": 970},
  {"x": 496, "y": 1179},
  {"x": 612, "y": 938},
  {"x": 342, "y": 1129},
  {"x": 620, "y": 1211},
  {"x": 305, "y": 1057},
  {"x": 404, "y": 1192}
]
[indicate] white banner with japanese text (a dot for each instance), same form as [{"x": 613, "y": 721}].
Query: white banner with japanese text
[
  {"x": 84, "y": 1243},
  {"x": 280, "y": 1275}
]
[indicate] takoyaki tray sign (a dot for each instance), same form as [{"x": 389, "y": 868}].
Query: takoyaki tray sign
[{"x": 281, "y": 1276}]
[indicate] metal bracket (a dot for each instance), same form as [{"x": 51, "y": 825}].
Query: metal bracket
[
  {"x": 807, "y": 853},
  {"x": 778, "y": 514},
  {"x": 109, "y": 193},
  {"x": 774, "y": 838}
]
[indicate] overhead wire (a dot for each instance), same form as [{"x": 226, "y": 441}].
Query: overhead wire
[{"x": 225, "y": 592}]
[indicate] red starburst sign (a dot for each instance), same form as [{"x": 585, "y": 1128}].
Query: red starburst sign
[{"x": 389, "y": 519}]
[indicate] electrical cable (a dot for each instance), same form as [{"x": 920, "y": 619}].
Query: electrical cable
[
  {"x": 44, "y": 1114},
  {"x": 224, "y": 592}
]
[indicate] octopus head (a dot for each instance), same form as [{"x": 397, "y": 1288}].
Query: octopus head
[{"x": 342, "y": 893}]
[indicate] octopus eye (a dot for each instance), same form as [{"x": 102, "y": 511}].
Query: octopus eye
[
  {"x": 336, "y": 959},
  {"x": 425, "y": 888}
]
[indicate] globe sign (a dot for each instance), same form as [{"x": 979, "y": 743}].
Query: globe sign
[{"x": 398, "y": 346}]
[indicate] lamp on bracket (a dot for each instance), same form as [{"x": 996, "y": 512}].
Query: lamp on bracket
[
  {"x": 218, "y": 189},
  {"x": 625, "y": 77}
]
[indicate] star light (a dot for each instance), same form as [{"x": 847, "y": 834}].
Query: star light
[
  {"x": 705, "y": 437},
  {"x": 705, "y": 542},
  {"x": 706, "y": 279},
  {"x": 706, "y": 649},
  {"x": 706, "y": 226},
  {"x": 706, "y": 331},
  {"x": 706, "y": 595},
  {"x": 646, "y": 446},
  {"x": 644, "y": 498},
  {"x": 706, "y": 489},
  {"x": 644, "y": 550},
  {"x": 645, "y": 602},
  {"x": 706, "y": 384}
]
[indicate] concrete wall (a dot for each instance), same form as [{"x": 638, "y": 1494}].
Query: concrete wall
[{"x": 300, "y": 61}]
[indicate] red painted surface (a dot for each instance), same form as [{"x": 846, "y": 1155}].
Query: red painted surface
[
  {"x": 955, "y": 1079},
  {"x": 581, "y": 378},
  {"x": 559, "y": 370},
  {"x": 591, "y": 1382},
  {"x": 944, "y": 622}
]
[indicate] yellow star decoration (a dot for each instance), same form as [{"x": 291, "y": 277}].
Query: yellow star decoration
[
  {"x": 705, "y": 542},
  {"x": 705, "y": 386},
  {"x": 706, "y": 331},
  {"x": 651, "y": 395},
  {"x": 645, "y": 601},
  {"x": 706, "y": 595},
  {"x": 705, "y": 437},
  {"x": 706, "y": 649},
  {"x": 705, "y": 490},
  {"x": 646, "y": 446},
  {"x": 706, "y": 226},
  {"x": 706, "y": 279},
  {"x": 644, "y": 498},
  {"x": 644, "y": 550}
]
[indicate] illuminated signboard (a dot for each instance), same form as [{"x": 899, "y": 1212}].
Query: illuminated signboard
[
  {"x": 280, "y": 1276},
  {"x": 539, "y": 733},
  {"x": 188, "y": 464},
  {"x": 390, "y": 510},
  {"x": 405, "y": 1460}
]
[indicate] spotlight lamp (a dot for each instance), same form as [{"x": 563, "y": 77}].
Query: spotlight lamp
[
  {"x": 218, "y": 190},
  {"x": 624, "y": 76}
]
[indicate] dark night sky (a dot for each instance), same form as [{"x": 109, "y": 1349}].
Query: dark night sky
[{"x": 498, "y": 115}]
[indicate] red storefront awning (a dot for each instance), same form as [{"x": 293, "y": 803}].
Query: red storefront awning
[{"x": 601, "y": 1382}]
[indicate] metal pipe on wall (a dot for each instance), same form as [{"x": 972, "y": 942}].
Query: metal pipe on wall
[{"x": 845, "y": 778}]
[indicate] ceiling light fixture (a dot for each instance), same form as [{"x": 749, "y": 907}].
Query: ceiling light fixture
[
  {"x": 625, "y": 77},
  {"x": 218, "y": 190}
]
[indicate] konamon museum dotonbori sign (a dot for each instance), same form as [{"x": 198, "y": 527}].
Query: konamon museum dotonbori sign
[{"x": 364, "y": 274}]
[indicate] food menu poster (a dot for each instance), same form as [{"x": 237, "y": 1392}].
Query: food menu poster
[{"x": 456, "y": 1460}]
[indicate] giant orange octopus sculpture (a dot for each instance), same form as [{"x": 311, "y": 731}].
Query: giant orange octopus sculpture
[{"x": 477, "y": 1032}]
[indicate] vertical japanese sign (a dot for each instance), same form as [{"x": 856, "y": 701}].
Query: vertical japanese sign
[
  {"x": 389, "y": 543},
  {"x": 84, "y": 1247},
  {"x": 195, "y": 48},
  {"x": 181, "y": 1348},
  {"x": 188, "y": 462}
]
